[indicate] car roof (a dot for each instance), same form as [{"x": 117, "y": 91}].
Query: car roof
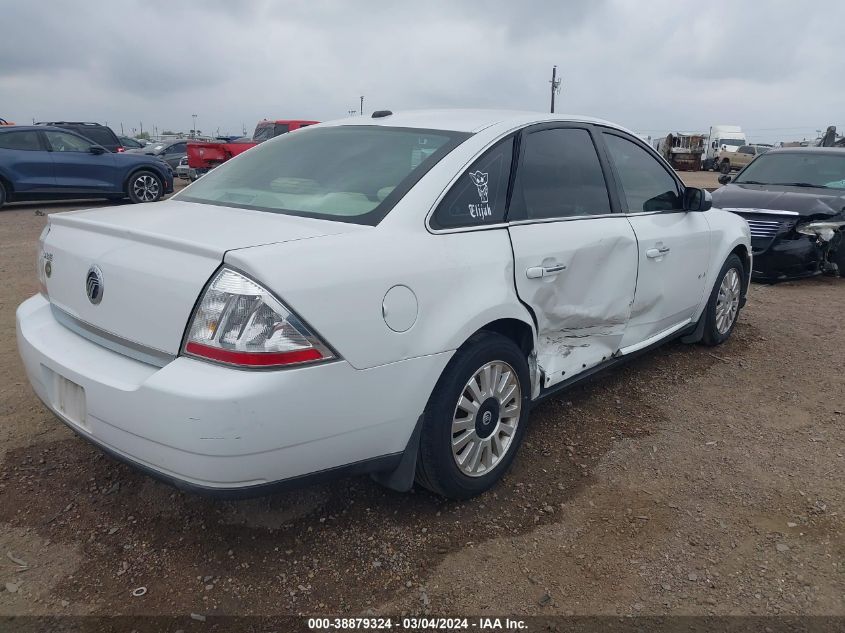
[
  {"x": 459, "y": 120},
  {"x": 807, "y": 150},
  {"x": 89, "y": 123},
  {"x": 31, "y": 128}
]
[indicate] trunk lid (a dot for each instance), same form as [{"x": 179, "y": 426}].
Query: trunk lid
[{"x": 154, "y": 260}]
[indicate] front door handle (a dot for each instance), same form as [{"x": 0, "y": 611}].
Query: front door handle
[
  {"x": 536, "y": 272},
  {"x": 657, "y": 252}
]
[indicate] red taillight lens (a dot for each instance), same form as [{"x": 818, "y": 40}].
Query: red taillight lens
[
  {"x": 249, "y": 359},
  {"x": 121, "y": 149},
  {"x": 238, "y": 322}
]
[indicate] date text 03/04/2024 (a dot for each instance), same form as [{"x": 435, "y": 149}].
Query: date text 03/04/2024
[{"x": 417, "y": 624}]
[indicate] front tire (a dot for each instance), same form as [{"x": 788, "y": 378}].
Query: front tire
[
  {"x": 725, "y": 167},
  {"x": 2, "y": 195},
  {"x": 723, "y": 307},
  {"x": 475, "y": 418},
  {"x": 144, "y": 186}
]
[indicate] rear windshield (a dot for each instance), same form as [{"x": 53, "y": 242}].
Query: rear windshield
[
  {"x": 100, "y": 135},
  {"x": 345, "y": 173},
  {"x": 264, "y": 132}
]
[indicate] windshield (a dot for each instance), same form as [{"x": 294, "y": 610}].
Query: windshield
[
  {"x": 344, "y": 173},
  {"x": 732, "y": 142},
  {"x": 264, "y": 131},
  {"x": 799, "y": 169}
]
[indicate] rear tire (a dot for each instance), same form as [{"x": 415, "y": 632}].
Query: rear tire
[
  {"x": 725, "y": 168},
  {"x": 475, "y": 418},
  {"x": 2, "y": 195},
  {"x": 723, "y": 306},
  {"x": 144, "y": 186}
]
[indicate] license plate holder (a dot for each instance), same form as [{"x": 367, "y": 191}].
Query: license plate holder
[{"x": 69, "y": 400}]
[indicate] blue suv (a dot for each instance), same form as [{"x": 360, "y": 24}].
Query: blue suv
[{"x": 49, "y": 163}]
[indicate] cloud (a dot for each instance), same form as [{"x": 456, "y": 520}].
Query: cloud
[{"x": 651, "y": 66}]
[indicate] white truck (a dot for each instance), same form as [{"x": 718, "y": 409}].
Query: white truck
[{"x": 722, "y": 138}]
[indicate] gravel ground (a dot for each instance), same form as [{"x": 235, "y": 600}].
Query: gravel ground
[{"x": 690, "y": 481}]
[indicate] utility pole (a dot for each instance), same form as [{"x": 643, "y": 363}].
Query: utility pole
[
  {"x": 555, "y": 87},
  {"x": 142, "y": 127},
  {"x": 195, "y": 125},
  {"x": 121, "y": 129},
  {"x": 362, "y": 105}
]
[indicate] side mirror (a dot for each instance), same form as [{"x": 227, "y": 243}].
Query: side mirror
[
  {"x": 97, "y": 150},
  {"x": 724, "y": 179},
  {"x": 696, "y": 199}
]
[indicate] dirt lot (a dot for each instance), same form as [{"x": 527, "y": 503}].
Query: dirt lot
[{"x": 691, "y": 481}]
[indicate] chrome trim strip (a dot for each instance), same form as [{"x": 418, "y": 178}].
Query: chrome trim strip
[
  {"x": 745, "y": 211},
  {"x": 653, "y": 339},
  {"x": 572, "y": 218},
  {"x": 143, "y": 353}
]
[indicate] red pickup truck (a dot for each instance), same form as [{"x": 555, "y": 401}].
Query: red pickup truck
[{"x": 205, "y": 155}]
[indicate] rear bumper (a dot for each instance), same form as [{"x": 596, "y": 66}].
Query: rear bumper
[{"x": 214, "y": 429}]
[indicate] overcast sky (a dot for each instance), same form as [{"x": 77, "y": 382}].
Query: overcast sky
[{"x": 775, "y": 68}]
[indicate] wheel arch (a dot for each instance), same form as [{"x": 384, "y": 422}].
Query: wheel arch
[
  {"x": 742, "y": 252},
  {"x": 139, "y": 168},
  {"x": 517, "y": 331},
  {"x": 7, "y": 184}
]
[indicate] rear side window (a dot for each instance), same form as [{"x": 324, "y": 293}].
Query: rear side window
[
  {"x": 20, "y": 140},
  {"x": 100, "y": 135},
  {"x": 646, "y": 184},
  {"x": 559, "y": 176},
  {"x": 281, "y": 128},
  {"x": 478, "y": 197}
]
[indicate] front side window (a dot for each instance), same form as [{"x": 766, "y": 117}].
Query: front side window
[
  {"x": 353, "y": 173},
  {"x": 646, "y": 184},
  {"x": 559, "y": 176},
  {"x": 64, "y": 142},
  {"x": 280, "y": 128},
  {"x": 20, "y": 140},
  {"x": 478, "y": 197},
  {"x": 731, "y": 142}
]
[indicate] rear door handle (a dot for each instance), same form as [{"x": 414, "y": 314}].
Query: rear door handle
[
  {"x": 536, "y": 272},
  {"x": 657, "y": 252}
]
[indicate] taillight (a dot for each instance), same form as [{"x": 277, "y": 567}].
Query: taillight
[
  {"x": 238, "y": 322},
  {"x": 120, "y": 149},
  {"x": 44, "y": 263}
]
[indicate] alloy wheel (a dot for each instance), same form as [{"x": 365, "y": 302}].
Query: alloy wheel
[
  {"x": 727, "y": 301},
  {"x": 146, "y": 188},
  {"x": 485, "y": 419}
]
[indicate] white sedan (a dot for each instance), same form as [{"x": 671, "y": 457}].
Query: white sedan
[{"x": 386, "y": 295}]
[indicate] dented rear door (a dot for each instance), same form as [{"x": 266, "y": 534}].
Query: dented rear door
[{"x": 575, "y": 260}]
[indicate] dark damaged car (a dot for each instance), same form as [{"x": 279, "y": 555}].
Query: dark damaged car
[{"x": 794, "y": 202}]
